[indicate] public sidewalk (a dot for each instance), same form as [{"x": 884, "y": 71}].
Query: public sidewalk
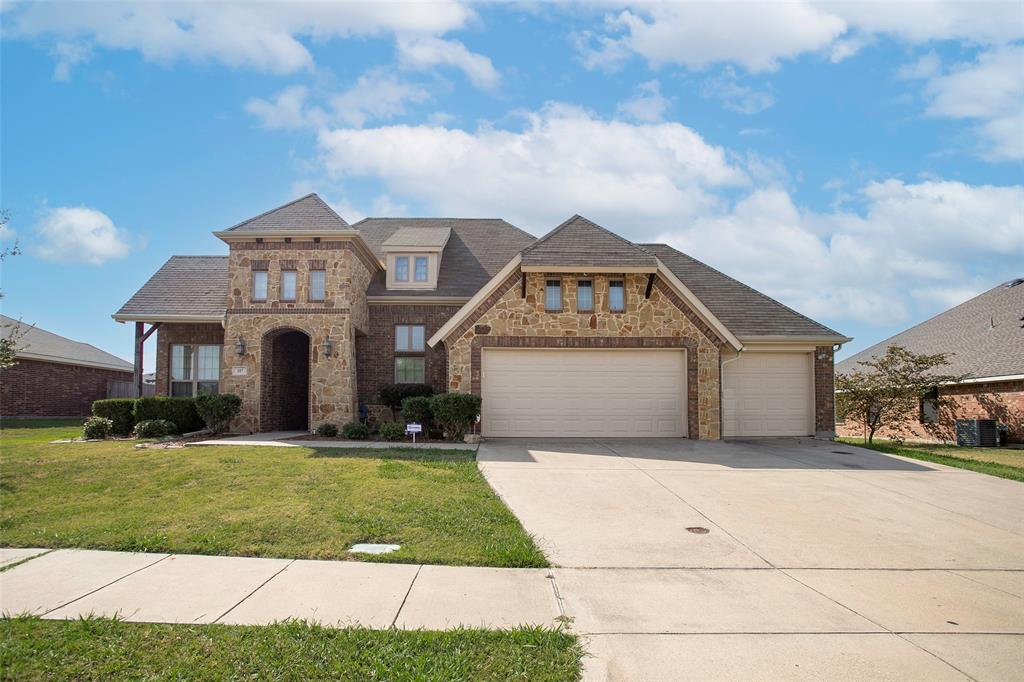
[
  {"x": 182, "y": 588},
  {"x": 283, "y": 439}
]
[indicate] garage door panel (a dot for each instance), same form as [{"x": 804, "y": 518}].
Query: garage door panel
[
  {"x": 768, "y": 394},
  {"x": 584, "y": 393}
]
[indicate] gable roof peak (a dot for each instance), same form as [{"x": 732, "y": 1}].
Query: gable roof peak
[
  {"x": 308, "y": 212},
  {"x": 581, "y": 242}
]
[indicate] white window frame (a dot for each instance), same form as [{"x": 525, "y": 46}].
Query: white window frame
[
  {"x": 317, "y": 290},
  {"x": 292, "y": 277},
  {"x": 260, "y": 280},
  {"x": 398, "y": 260},
  {"x": 550, "y": 284},
  {"x": 582, "y": 284},
  {"x": 425, "y": 261},
  {"x": 193, "y": 357},
  {"x": 621, "y": 287}
]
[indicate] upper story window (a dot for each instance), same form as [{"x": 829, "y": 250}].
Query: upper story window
[
  {"x": 553, "y": 295},
  {"x": 194, "y": 370},
  {"x": 401, "y": 268},
  {"x": 584, "y": 296},
  {"x": 412, "y": 256},
  {"x": 317, "y": 285},
  {"x": 259, "y": 285},
  {"x": 288, "y": 282},
  {"x": 409, "y": 338},
  {"x": 616, "y": 296}
]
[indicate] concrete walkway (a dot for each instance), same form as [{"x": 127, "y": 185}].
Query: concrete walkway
[
  {"x": 284, "y": 439},
  {"x": 182, "y": 588}
]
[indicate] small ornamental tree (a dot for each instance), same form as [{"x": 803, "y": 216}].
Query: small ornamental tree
[{"x": 888, "y": 391}]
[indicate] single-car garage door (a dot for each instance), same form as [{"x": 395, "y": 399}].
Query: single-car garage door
[
  {"x": 599, "y": 393},
  {"x": 768, "y": 394}
]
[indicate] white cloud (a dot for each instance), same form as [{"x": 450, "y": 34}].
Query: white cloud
[
  {"x": 563, "y": 160},
  {"x": 426, "y": 52},
  {"x": 80, "y": 235},
  {"x": 376, "y": 95},
  {"x": 742, "y": 99},
  {"x": 758, "y": 36},
  {"x": 68, "y": 55},
  {"x": 989, "y": 90},
  {"x": 286, "y": 110},
  {"x": 259, "y": 35},
  {"x": 754, "y": 35},
  {"x": 893, "y": 250},
  {"x": 648, "y": 105}
]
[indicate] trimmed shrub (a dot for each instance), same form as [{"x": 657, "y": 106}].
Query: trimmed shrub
[
  {"x": 392, "y": 431},
  {"x": 180, "y": 411},
  {"x": 355, "y": 431},
  {"x": 97, "y": 428},
  {"x": 218, "y": 409},
  {"x": 154, "y": 428},
  {"x": 327, "y": 429},
  {"x": 417, "y": 409},
  {"x": 392, "y": 395},
  {"x": 455, "y": 412},
  {"x": 120, "y": 411}
]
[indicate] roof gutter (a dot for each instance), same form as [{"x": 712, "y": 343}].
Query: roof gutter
[
  {"x": 820, "y": 340},
  {"x": 142, "y": 317}
]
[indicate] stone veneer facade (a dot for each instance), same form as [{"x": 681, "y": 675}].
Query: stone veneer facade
[
  {"x": 507, "y": 318},
  {"x": 341, "y": 317}
]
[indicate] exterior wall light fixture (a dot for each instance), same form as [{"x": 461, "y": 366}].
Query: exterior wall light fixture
[{"x": 240, "y": 346}]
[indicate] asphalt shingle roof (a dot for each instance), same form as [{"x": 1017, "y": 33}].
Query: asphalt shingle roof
[
  {"x": 305, "y": 213},
  {"x": 38, "y": 344},
  {"x": 743, "y": 310},
  {"x": 983, "y": 335},
  {"x": 418, "y": 237},
  {"x": 581, "y": 242},
  {"x": 185, "y": 285},
  {"x": 476, "y": 250}
]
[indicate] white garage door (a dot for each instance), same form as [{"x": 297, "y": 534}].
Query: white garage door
[
  {"x": 768, "y": 394},
  {"x": 600, "y": 393}
]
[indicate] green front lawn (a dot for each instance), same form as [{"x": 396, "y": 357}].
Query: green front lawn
[
  {"x": 252, "y": 501},
  {"x": 100, "y": 649},
  {"x": 1002, "y": 462}
]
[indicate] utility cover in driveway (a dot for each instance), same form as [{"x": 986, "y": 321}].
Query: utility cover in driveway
[{"x": 588, "y": 393}]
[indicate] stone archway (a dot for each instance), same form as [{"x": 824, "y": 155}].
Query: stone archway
[{"x": 284, "y": 380}]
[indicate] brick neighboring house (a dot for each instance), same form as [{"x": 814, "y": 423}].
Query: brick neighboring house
[
  {"x": 985, "y": 340},
  {"x": 580, "y": 332},
  {"x": 55, "y": 376}
]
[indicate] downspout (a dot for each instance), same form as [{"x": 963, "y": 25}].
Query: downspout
[{"x": 721, "y": 387}]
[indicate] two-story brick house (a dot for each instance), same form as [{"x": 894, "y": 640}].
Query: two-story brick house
[{"x": 580, "y": 332}]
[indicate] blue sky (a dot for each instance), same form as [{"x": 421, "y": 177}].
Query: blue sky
[{"x": 860, "y": 162}]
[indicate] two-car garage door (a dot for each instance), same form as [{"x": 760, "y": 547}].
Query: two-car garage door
[
  {"x": 589, "y": 393},
  {"x": 639, "y": 393}
]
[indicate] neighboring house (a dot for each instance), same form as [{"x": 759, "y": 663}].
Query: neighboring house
[
  {"x": 579, "y": 333},
  {"x": 55, "y": 376},
  {"x": 984, "y": 338}
]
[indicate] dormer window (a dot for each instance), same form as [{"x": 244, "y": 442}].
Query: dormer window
[
  {"x": 412, "y": 257},
  {"x": 401, "y": 268}
]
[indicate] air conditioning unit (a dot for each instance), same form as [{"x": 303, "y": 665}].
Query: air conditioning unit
[{"x": 977, "y": 433}]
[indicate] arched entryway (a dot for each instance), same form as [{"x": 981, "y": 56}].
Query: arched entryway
[{"x": 284, "y": 381}]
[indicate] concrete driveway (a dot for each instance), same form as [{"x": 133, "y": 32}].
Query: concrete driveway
[{"x": 774, "y": 559}]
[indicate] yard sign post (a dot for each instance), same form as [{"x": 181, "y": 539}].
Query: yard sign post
[{"x": 413, "y": 428}]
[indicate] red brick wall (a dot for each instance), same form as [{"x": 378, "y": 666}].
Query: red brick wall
[
  {"x": 375, "y": 352},
  {"x": 48, "y": 389},
  {"x": 203, "y": 333},
  {"x": 824, "y": 392},
  {"x": 1003, "y": 401}
]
